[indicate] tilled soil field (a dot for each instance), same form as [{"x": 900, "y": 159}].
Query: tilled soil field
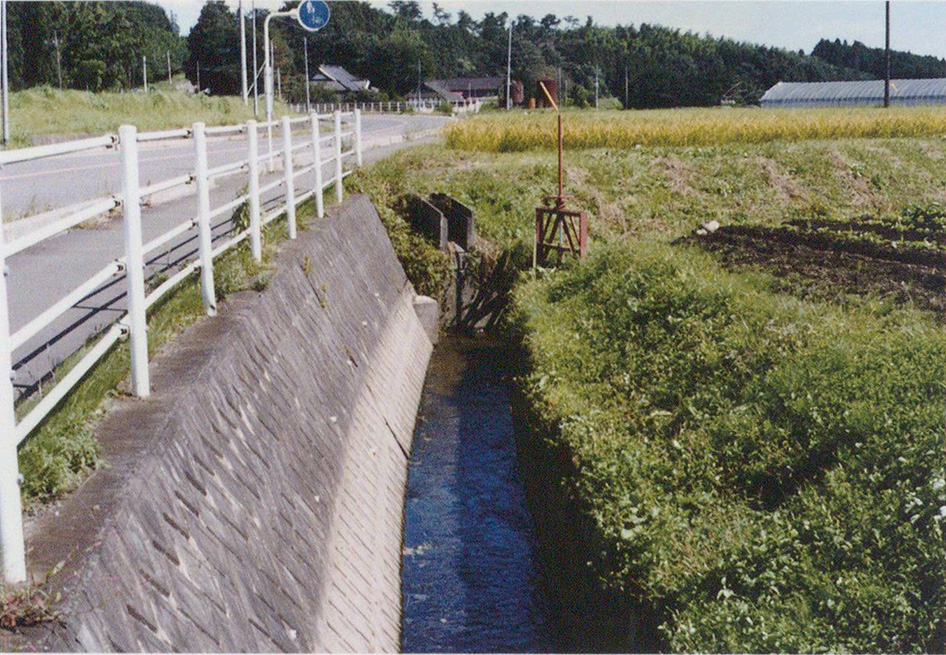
[{"x": 828, "y": 259}]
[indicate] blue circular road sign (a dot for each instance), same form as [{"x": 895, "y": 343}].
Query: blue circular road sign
[{"x": 314, "y": 14}]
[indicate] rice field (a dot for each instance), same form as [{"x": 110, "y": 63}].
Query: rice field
[{"x": 521, "y": 132}]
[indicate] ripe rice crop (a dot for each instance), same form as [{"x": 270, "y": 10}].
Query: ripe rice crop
[{"x": 690, "y": 127}]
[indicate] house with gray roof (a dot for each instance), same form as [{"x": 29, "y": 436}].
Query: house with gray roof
[{"x": 339, "y": 80}]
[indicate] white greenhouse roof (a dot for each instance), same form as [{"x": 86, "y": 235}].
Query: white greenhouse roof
[{"x": 861, "y": 91}]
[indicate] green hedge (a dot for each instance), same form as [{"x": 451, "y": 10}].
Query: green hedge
[{"x": 769, "y": 472}]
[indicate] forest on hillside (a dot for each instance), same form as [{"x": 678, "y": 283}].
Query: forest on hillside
[{"x": 100, "y": 45}]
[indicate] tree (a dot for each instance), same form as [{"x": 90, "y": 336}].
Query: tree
[{"x": 214, "y": 45}]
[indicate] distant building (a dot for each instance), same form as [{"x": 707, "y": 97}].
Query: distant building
[
  {"x": 339, "y": 80},
  {"x": 482, "y": 88},
  {"x": 868, "y": 93},
  {"x": 436, "y": 91}
]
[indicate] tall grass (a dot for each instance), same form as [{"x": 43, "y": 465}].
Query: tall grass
[
  {"x": 690, "y": 127},
  {"x": 44, "y": 110}
]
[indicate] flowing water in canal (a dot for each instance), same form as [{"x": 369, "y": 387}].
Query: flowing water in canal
[{"x": 470, "y": 577}]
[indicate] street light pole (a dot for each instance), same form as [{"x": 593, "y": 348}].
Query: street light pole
[
  {"x": 268, "y": 75},
  {"x": 255, "y": 66},
  {"x": 246, "y": 98}
]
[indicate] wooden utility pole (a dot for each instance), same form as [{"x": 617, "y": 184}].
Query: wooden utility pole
[
  {"x": 625, "y": 85},
  {"x": 144, "y": 72},
  {"x": 170, "y": 86},
  {"x": 887, "y": 62},
  {"x": 58, "y": 59},
  {"x": 509, "y": 69}
]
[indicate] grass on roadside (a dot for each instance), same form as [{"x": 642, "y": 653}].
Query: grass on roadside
[
  {"x": 521, "y": 131},
  {"x": 63, "y": 450},
  {"x": 44, "y": 110}
]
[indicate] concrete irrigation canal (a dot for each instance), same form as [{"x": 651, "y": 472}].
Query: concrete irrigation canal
[{"x": 469, "y": 575}]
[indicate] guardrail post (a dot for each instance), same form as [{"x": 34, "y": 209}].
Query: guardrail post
[
  {"x": 204, "y": 241},
  {"x": 287, "y": 170},
  {"x": 12, "y": 547},
  {"x": 358, "y": 137},
  {"x": 338, "y": 156},
  {"x": 256, "y": 240},
  {"x": 134, "y": 262},
  {"x": 317, "y": 161}
]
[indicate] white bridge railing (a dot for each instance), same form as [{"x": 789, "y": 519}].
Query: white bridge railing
[{"x": 133, "y": 323}]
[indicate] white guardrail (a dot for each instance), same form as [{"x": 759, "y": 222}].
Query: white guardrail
[
  {"x": 470, "y": 106},
  {"x": 133, "y": 323}
]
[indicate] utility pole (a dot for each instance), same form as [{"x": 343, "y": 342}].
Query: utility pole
[
  {"x": 596, "y": 87},
  {"x": 625, "y": 85},
  {"x": 255, "y": 66},
  {"x": 246, "y": 98},
  {"x": 418, "y": 84},
  {"x": 58, "y": 59},
  {"x": 279, "y": 82},
  {"x": 887, "y": 62},
  {"x": 198, "y": 78},
  {"x": 4, "y": 76},
  {"x": 144, "y": 72},
  {"x": 305, "y": 48},
  {"x": 509, "y": 69},
  {"x": 168, "y": 52}
]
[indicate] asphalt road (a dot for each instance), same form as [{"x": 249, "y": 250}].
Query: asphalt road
[{"x": 43, "y": 274}]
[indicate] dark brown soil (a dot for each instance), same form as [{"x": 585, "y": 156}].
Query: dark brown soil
[{"x": 824, "y": 264}]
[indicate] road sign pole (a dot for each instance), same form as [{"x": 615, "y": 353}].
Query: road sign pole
[{"x": 308, "y": 100}]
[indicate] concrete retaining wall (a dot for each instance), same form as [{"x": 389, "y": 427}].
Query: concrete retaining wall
[{"x": 255, "y": 502}]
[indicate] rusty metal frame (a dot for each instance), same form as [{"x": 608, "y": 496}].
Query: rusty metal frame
[{"x": 560, "y": 230}]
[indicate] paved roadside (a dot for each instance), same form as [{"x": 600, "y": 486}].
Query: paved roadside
[{"x": 45, "y": 273}]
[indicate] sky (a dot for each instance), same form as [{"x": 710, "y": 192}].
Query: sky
[{"x": 797, "y": 25}]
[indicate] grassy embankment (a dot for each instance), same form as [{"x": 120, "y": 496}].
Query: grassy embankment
[
  {"x": 44, "y": 110},
  {"x": 763, "y": 466}
]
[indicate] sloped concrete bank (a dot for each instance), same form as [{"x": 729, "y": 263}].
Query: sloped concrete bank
[{"x": 254, "y": 503}]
